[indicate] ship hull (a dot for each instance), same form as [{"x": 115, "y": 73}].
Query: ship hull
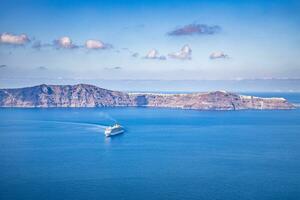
[{"x": 109, "y": 134}]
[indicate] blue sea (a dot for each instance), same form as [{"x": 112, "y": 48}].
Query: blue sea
[{"x": 164, "y": 154}]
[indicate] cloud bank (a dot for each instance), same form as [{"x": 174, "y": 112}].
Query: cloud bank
[
  {"x": 67, "y": 43},
  {"x": 11, "y": 39},
  {"x": 195, "y": 29},
  {"x": 184, "y": 54}
]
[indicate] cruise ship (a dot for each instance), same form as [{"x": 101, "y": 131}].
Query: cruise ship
[{"x": 113, "y": 130}]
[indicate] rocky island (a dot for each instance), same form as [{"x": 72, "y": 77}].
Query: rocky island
[{"x": 83, "y": 95}]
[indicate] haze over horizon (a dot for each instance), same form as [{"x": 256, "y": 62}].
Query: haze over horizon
[{"x": 66, "y": 42}]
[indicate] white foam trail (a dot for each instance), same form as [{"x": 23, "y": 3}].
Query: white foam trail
[
  {"x": 297, "y": 105},
  {"x": 68, "y": 122},
  {"x": 80, "y": 123}
]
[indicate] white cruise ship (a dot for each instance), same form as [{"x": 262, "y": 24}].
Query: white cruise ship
[{"x": 113, "y": 130}]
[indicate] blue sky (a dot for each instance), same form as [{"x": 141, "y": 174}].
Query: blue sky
[{"x": 161, "y": 40}]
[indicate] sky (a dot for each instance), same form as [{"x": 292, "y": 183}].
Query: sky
[{"x": 61, "y": 40}]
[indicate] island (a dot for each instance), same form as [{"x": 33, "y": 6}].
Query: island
[{"x": 84, "y": 95}]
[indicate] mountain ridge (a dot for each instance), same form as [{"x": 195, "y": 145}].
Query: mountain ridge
[{"x": 85, "y": 95}]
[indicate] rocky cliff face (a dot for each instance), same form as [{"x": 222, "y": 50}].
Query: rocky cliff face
[
  {"x": 83, "y": 95},
  {"x": 213, "y": 101}
]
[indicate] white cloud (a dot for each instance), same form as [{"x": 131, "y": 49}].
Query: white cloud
[
  {"x": 184, "y": 54},
  {"x": 95, "y": 44},
  {"x": 153, "y": 54},
  {"x": 8, "y": 38},
  {"x": 64, "y": 42},
  {"x": 218, "y": 54}
]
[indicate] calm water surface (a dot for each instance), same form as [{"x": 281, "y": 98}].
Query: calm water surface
[{"x": 165, "y": 154}]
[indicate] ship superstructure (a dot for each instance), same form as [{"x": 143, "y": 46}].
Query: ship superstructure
[{"x": 113, "y": 130}]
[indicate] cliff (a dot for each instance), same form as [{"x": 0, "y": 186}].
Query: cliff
[{"x": 83, "y": 95}]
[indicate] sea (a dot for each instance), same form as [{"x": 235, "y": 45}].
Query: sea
[{"x": 62, "y": 153}]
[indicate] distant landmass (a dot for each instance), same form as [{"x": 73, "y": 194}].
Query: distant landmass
[{"x": 83, "y": 95}]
